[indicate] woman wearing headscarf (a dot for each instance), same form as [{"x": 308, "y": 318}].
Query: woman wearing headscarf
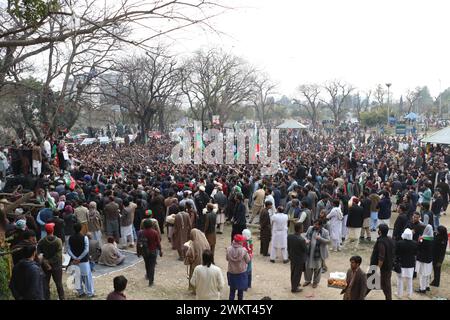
[
  {"x": 424, "y": 263},
  {"x": 95, "y": 222},
  {"x": 238, "y": 259},
  {"x": 439, "y": 248},
  {"x": 405, "y": 251},
  {"x": 193, "y": 256}
]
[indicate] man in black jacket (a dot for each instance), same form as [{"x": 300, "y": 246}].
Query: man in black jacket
[
  {"x": 383, "y": 255},
  {"x": 436, "y": 207},
  {"x": 296, "y": 247},
  {"x": 365, "y": 204},
  {"x": 239, "y": 220},
  {"x": 27, "y": 280},
  {"x": 201, "y": 200},
  {"x": 444, "y": 188},
  {"x": 401, "y": 222},
  {"x": 354, "y": 222}
]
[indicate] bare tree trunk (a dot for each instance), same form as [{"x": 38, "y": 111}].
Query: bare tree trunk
[
  {"x": 143, "y": 130},
  {"x": 161, "y": 120}
]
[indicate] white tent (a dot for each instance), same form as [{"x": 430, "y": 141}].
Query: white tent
[
  {"x": 119, "y": 140},
  {"x": 291, "y": 124},
  {"x": 88, "y": 141},
  {"x": 439, "y": 137},
  {"x": 104, "y": 140}
]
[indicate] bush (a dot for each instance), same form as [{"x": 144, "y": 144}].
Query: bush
[
  {"x": 5, "y": 293},
  {"x": 374, "y": 117}
]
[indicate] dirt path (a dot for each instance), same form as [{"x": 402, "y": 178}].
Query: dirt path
[{"x": 269, "y": 279}]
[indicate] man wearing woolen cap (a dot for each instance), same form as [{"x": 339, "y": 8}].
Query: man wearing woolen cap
[{"x": 51, "y": 248}]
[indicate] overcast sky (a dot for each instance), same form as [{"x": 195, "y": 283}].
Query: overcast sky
[{"x": 364, "y": 42}]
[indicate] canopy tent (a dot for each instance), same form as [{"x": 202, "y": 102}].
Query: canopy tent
[
  {"x": 104, "y": 140},
  {"x": 411, "y": 116},
  {"x": 88, "y": 141},
  {"x": 392, "y": 120},
  {"x": 439, "y": 137},
  {"x": 291, "y": 124}
]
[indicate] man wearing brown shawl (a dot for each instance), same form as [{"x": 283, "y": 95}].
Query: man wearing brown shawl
[
  {"x": 193, "y": 257},
  {"x": 356, "y": 288},
  {"x": 157, "y": 204},
  {"x": 181, "y": 231},
  {"x": 210, "y": 225}
]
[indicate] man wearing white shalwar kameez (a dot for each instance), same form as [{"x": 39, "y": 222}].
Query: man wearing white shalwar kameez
[
  {"x": 279, "y": 223},
  {"x": 335, "y": 216},
  {"x": 78, "y": 250}
]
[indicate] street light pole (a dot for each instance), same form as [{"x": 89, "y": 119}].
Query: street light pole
[{"x": 388, "y": 85}]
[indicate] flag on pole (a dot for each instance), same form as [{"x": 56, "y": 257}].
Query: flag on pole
[{"x": 255, "y": 142}]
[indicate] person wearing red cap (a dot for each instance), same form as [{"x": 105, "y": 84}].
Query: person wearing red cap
[
  {"x": 238, "y": 259},
  {"x": 51, "y": 249}
]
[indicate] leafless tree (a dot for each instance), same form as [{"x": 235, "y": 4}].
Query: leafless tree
[
  {"x": 73, "y": 67},
  {"x": 379, "y": 95},
  {"x": 358, "y": 105},
  {"x": 412, "y": 96},
  {"x": 215, "y": 83},
  {"x": 26, "y": 31},
  {"x": 145, "y": 86},
  {"x": 361, "y": 104},
  {"x": 338, "y": 92},
  {"x": 261, "y": 98},
  {"x": 367, "y": 100},
  {"x": 310, "y": 101}
]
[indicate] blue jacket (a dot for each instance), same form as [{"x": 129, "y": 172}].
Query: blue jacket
[
  {"x": 27, "y": 281},
  {"x": 46, "y": 214}
]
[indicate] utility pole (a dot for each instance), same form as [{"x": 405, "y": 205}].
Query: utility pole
[{"x": 388, "y": 85}]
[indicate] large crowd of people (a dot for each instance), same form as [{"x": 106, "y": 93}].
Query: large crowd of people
[{"x": 332, "y": 190}]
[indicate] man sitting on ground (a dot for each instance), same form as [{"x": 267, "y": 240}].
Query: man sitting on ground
[{"x": 111, "y": 256}]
